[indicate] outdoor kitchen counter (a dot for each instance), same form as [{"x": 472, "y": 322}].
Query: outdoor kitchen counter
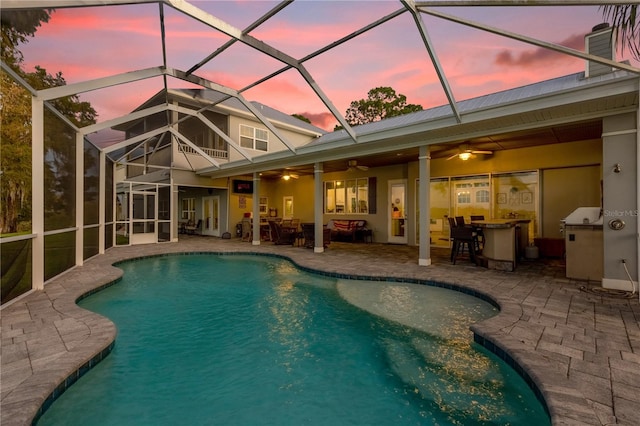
[{"x": 504, "y": 241}]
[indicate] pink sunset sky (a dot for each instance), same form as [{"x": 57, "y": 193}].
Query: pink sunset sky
[{"x": 87, "y": 43}]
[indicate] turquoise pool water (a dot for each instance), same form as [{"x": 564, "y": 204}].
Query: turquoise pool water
[{"x": 251, "y": 340}]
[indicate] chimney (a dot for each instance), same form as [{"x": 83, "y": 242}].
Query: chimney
[{"x": 600, "y": 42}]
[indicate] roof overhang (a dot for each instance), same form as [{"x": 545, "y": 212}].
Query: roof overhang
[{"x": 585, "y": 103}]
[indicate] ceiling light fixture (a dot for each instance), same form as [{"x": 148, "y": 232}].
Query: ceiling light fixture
[
  {"x": 286, "y": 176},
  {"x": 464, "y": 156}
]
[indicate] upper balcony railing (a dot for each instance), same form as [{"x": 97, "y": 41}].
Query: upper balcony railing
[{"x": 213, "y": 153}]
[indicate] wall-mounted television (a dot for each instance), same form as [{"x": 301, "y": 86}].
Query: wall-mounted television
[{"x": 243, "y": 186}]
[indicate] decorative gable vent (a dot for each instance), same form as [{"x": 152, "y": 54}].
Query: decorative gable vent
[{"x": 600, "y": 42}]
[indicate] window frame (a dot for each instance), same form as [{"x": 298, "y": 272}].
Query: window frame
[
  {"x": 257, "y": 141},
  {"x": 338, "y": 199},
  {"x": 188, "y": 212}
]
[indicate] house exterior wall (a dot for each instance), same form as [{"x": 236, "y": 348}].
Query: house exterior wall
[
  {"x": 377, "y": 222},
  {"x": 620, "y": 146},
  {"x": 539, "y": 157},
  {"x": 275, "y": 145},
  {"x": 564, "y": 189},
  {"x": 569, "y": 178}
]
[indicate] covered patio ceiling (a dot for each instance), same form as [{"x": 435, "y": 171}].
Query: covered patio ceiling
[
  {"x": 586, "y": 130},
  {"x": 292, "y": 159}
]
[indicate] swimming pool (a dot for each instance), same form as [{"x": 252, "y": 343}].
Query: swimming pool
[{"x": 239, "y": 339}]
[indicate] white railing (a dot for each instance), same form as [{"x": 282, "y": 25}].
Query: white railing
[{"x": 213, "y": 153}]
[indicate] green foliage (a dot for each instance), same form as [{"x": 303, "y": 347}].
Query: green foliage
[
  {"x": 382, "y": 102},
  {"x": 17, "y": 26},
  {"x": 301, "y": 117},
  {"x": 626, "y": 20},
  {"x": 15, "y": 154},
  {"x": 15, "y": 116}
]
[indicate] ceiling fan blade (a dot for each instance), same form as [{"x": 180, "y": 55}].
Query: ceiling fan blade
[
  {"x": 363, "y": 168},
  {"x": 482, "y": 152},
  {"x": 451, "y": 157}
]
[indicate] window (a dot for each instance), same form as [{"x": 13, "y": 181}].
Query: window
[
  {"x": 188, "y": 209},
  {"x": 351, "y": 196},
  {"x": 482, "y": 196},
  {"x": 253, "y": 138},
  {"x": 463, "y": 192}
]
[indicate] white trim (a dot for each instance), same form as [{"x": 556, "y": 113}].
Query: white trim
[
  {"x": 620, "y": 133},
  {"x": 616, "y": 284},
  {"x": 4, "y": 240},
  {"x": 37, "y": 193},
  {"x": 79, "y": 255},
  {"x": 60, "y": 231},
  {"x": 102, "y": 192}
]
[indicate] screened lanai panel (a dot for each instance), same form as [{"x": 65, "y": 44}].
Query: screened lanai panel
[
  {"x": 16, "y": 269},
  {"x": 91, "y": 183},
  {"x": 59, "y": 173},
  {"x": 91, "y": 240},
  {"x": 59, "y": 253}
]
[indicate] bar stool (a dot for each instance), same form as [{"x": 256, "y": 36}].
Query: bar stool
[{"x": 462, "y": 236}]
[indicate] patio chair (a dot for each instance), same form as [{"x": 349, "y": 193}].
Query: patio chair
[
  {"x": 192, "y": 229},
  {"x": 280, "y": 235},
  {"x": 309, "y": 235}
]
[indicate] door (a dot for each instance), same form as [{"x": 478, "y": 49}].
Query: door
[
  {"x": 143, "y": 222},
  {"x": 211, "y": 216},
  {"x": 397, "y": 211}
]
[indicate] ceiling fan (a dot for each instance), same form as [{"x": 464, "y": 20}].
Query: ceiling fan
[
  {"x": 465, "y": 152},
  {"x": 288, "y": 175},
  {"x": 353, "y": 166}
]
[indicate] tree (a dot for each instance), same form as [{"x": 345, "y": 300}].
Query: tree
[
  {"x": 301, "y": 117},
  {"x": 15, "y": 115},
  {"x": 15, "y": 154},
  {"x": 382, "y": 102},
  {"x": 626, "y": 21},
  {"x": 17, "y": 26}
]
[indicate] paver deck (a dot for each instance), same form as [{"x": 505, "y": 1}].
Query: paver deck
[{"x": 579, "y": 346}]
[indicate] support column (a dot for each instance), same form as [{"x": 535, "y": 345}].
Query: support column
[
  {"x": 256, "y": 209},
  {"x": 620, "y": 169},
  {"x": 318, "y": 215},
  {"x": 424, "y": 256},
  {"x": 174, "y": 212},
  {"x": 37, "y": 193},
  {"x": 79, "y": 199},
  {"x": 102, "y": 181}
]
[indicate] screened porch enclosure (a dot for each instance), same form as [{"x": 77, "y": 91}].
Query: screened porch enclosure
[
  {"x": 143, "y": 213},
  {"x": 71, "y": 204}
]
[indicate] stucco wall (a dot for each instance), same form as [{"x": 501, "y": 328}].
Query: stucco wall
[{"x": 620, "y": 145}]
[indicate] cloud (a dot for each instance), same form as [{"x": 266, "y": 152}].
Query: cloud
[
  {"x": 538, "y": 55},
  {"x": 324, "y": 120}
]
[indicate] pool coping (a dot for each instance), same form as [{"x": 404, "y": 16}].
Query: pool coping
[{"x": 25, "y": 403}]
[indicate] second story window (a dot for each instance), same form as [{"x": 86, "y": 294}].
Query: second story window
[{"x": 253, "y": 138}]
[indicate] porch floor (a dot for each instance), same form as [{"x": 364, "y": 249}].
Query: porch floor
[{"x": 580, "y": 346}]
